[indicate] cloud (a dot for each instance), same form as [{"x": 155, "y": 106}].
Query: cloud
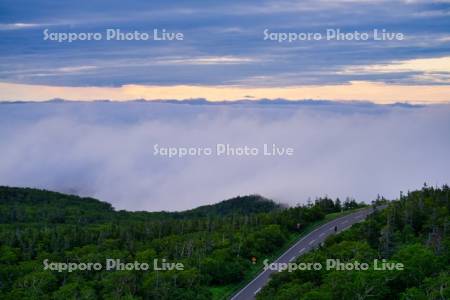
[
  {"x": 426, "y": 65},
  {"x": 17, "y": 26},
  {"x": 223, "y": 42},
  {"x": 59, "y": 71},
  {"x": 209, "y": 60},
  {"x": 76, "y": 69},
  {"x": 426, "y": 70},
  {"x": 106, "y": 150}
]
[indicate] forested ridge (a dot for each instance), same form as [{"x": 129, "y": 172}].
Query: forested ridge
[
  {"x": 413, "y": 230},
  {"x": 215, "y": 243}
]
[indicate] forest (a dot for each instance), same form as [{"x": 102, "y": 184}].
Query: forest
[
  {"x": 217, "y": 244},
  {"x": 221, "y": 247},
  {"x": 413, "y": 230}
]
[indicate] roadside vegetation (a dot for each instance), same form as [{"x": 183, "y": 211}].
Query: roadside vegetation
[{"x": 413, "y": 230}]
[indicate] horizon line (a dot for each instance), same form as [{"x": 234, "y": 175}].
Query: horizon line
[
  {"x": 366, "y": 91},
  {"x": 204, "y": 101}
]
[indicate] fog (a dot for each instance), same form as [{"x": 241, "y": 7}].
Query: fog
[{"x": 106, "y": 150}]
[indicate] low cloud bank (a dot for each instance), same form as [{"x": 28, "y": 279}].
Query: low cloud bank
[{"x": 105, "y": 150}]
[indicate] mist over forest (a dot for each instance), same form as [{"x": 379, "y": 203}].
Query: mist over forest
[{"x": 105, "y": 150}]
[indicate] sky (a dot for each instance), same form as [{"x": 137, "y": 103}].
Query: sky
[
  {"x": 224, "y": 54},
  {"x": 366, "y": 111}
]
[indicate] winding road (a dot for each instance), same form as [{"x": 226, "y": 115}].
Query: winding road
[{"x": 302, "y": 246}]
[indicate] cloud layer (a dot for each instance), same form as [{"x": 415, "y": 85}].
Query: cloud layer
[
  {"x": 223, "y": 42},
  {"x": 106, "y": 150}
]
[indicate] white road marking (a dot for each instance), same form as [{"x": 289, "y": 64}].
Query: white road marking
[
  {"x": 312, "y": 242},
  {"x": 257, "y": 291},
  {"x": 345, "y": 222},
  {"x": 301, "y": 250},
  {"x": 292, "y": 258},
  {"x": 322, "y": 234}
]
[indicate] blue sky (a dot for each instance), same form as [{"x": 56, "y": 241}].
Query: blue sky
[{"x": 223, "y": 44}]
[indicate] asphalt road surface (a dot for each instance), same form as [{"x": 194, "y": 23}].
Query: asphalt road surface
[{"x": 307, "y": 243}]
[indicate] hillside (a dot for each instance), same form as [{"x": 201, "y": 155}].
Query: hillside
[
  {"x": 251, "y": 204},
  {"x": 214, "y": 243},
  {"x": 26, "y": 205}
]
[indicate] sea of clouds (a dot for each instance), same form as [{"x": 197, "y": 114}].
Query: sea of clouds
[{"x": 105, "y": 150}]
